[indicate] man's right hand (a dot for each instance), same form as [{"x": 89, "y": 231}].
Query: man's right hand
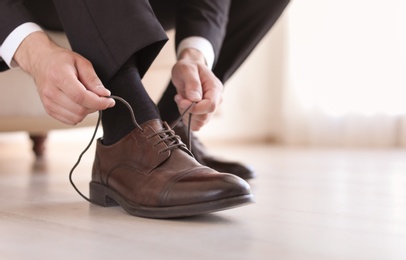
[{"x": 67, "y": 83}]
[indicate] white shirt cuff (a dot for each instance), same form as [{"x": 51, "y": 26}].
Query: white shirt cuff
[
  {"x": 13, "y": 41},
  {"x": 201, "y": 44}
]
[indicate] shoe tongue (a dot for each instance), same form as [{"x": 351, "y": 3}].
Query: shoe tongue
[
  {"x": 154, "y": 124},
  {"x": 158, "y": 126}
]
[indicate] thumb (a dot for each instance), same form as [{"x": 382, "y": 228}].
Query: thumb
[
  {"x": 192, "y": 90},
  {"x": 90, "y": 80}
]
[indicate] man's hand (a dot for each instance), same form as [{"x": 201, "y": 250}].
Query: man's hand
[
  {"x": 67, "y": 83},
  {"x": 195, "y": 82}
]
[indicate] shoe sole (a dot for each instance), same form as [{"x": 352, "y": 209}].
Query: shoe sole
[{"x": 104, "y": 196}]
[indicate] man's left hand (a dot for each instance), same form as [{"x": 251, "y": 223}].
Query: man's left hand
[{"x": 195, "y": 82}]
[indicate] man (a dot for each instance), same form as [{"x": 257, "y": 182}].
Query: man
[{"x": 143, "y": 166}]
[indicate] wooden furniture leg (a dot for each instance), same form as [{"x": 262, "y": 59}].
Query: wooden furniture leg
[{"x": 38, "y": 144}]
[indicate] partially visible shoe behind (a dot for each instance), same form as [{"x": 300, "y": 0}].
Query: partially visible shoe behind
[
  {"x": 203, "y": 157},
  {"x": 151, "y": 173}
]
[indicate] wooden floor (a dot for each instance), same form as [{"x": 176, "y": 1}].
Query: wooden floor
[{"x": 310, "y": 204}]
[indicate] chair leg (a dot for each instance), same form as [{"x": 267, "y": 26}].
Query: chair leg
[{"x": 38, "y": 144}]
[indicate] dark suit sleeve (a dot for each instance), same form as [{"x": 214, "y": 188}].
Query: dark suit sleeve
[
  {"x": 205, "y": 18},
  {"x": 12, "y": 14}
]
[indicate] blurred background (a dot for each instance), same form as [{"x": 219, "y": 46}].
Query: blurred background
[{"x": 330, "y": 73}]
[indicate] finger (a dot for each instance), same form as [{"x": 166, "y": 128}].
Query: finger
[
  {"x": 199, "y": 121},
  {"x": 63, "y": 114},
  {"x": 208, "y": 105},
  {"x": 77, "y": 92},
  {"x": 183, "y": 104},
  {"x": 189, "y": 86},
  {"x": 59, "y": 103},
  {"x": 193, "y": 91},
  {"x": 88, "y": 77}
]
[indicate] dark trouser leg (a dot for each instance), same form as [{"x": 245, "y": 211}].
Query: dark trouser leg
[
  {"x": 121, "y": 39},
  {"x": 248, "y": 24},
  {"x": 108, "y": 32}
]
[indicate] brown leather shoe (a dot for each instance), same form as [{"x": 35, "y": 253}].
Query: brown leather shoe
[
  {"x": 203, "y": 157},
  {"x": 150, "y": 173}
]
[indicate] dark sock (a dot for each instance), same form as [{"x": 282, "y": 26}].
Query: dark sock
[
  {"x": 117, "y": 121},
  {"x": 167, "y": 106}
]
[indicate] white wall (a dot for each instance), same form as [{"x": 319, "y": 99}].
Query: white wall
[{"x": 345, "y": 73}]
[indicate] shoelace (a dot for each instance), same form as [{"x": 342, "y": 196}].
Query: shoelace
[{"x": 167, "y": 135}]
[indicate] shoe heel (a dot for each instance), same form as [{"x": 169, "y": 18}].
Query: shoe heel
[{"x": 98, "y": 195}]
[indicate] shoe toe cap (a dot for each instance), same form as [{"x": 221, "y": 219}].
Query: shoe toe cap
[{"x": 197, "y": 188}]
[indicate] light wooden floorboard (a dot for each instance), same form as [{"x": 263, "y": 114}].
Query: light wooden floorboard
[{"x": 310, "y": 204}]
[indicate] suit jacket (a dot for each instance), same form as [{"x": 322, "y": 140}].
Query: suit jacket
[
  {"x": 109, "y": 32},
  {"x": 12, "y": 14}
]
